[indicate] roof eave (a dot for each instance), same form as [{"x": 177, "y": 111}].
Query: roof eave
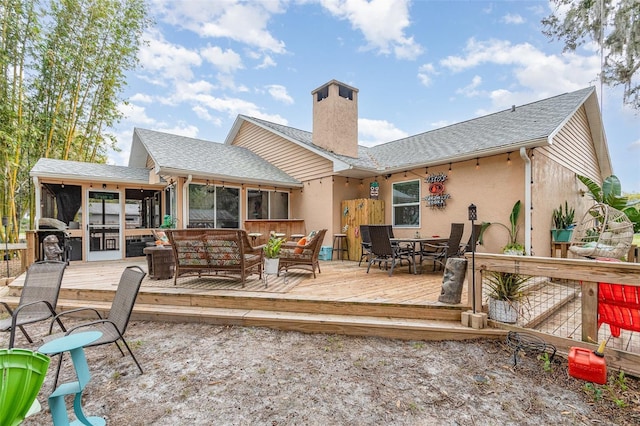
[{"x": 167, "y": 171}]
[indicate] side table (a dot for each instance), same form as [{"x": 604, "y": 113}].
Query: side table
[
  {"x": 74, "y": 344},
  {"x": 160, "y": 262}
]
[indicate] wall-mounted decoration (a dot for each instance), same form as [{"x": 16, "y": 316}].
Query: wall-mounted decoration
[
  {"x": 437, "y": 197},
  {"x": 374, "y": 190}
]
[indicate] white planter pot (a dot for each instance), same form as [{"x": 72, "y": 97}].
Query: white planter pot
[
  {"x": 503, "y": 310},
  {"x": 271, "y": 265}
]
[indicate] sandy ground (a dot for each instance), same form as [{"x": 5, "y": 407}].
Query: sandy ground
[{"x": 200, "y": 374}]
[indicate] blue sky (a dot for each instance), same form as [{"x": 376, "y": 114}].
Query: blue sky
[{"x": 419, "y": 65}]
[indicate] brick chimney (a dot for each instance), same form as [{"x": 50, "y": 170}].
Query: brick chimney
[{"x": 335, "y": 118}]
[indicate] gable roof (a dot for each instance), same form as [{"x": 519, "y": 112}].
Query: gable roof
[
  {"x": 61, "y": 169},
  {"x": 528, "y": 126},
  {"x": 173, "y": 154}
]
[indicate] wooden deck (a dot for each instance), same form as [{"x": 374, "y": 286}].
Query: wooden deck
[{"x": 343, "y": 299}]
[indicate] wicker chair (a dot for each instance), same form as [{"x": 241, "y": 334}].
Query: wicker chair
[
  {"x": 365, "y": 244},
  {"x": 294, "y": 256},
  {"x": 603, "y": 232},
  {"x": 475, "y": 233},
  {"x": 439, "y": 253},
  {"x": 114, "y": 326},
  {"x": 382, "y": 251},
  {"x": 38, "y": 298}
]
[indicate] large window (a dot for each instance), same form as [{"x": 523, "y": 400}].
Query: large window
[
  {"x": 406, "y": 203},
  {"x": 267, "y": 204},
  {"x": 213, "y": 206}
]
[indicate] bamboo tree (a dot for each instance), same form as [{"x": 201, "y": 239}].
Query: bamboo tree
[{"x": 61, "y": 85}]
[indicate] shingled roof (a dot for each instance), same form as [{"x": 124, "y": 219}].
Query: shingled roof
[
  {"x": 528, "y": 125},
  {"x": 173, "y": 154},
  {"x": 61, "y": 169}
]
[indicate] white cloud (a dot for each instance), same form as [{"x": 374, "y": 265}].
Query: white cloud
[
  {"x": 226, "y": 61},
  {"x": 382, "y": 23},
  {"x": 374, "y": 132},
  {"x": 267, "y": 62},
  {"x": 279, "y": 93},
  {"x": 538, "y": 75},
  {"x": 203, "y": 114},
  {"x": 234, "y": 19},
  {"x": 136, "y": 114},
  {"x": 513, "y": 19},
  {"x": 470, "y": 90},
  {"x": 171, "y": 61},
  {"x": 141, "y": 97},
  {"x": 182, "y": 129},
  {"x": 425, "y": 72}
]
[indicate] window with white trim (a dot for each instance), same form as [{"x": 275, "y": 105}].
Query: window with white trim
[{"x": 405, "y": 201}]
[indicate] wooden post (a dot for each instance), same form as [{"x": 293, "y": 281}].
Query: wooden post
[{"x": 589, "y": 311}]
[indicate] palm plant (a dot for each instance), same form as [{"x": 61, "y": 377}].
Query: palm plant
[
  {"x": 507, "y": 286},
  {"x": 610, "y": 193},
  {"x": 513, "y": 228}
]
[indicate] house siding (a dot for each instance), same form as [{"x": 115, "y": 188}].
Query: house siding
[
  {"x": 296, "y": 161},
  {"x": 573, "y": 147}
]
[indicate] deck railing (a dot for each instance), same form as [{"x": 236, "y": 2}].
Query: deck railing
[{"x": 561, "y": 305}]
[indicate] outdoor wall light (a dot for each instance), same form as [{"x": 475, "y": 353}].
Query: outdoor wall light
[
  {"x": 104, "y": 186},
  {"x": 477, "y": 163},
  {"x": 450, "y": 171},
  {"x": 508, "y": 158}
]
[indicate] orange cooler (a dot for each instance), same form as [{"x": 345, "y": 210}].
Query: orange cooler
[{"x": 587, "y": 365}]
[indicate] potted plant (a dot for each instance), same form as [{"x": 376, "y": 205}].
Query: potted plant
[
  {"x": 563, "y": 223},
  {"x": 513, "y": 247},
  {"x": 271, "y": 253},
  {"x": 505, "y": 291}
]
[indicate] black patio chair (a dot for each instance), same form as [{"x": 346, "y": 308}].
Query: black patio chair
[
  {"x": 365, "y": 244},
  {"x": 382, "y": 250},
  {"x": 38, "y": 298},
  {"x": 475, "y": 233},
  {"x": 114, "y": 326},
  {"x": 439, "y": 253}
]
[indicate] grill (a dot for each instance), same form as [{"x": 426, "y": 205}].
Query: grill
[{"x": 64, "y": 242}]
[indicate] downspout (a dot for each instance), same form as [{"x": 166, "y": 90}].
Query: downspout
[
  {"x": 37, "y": 201},
  {"x": 185, "y": 205},
  {"x": 527, "y": 201}
]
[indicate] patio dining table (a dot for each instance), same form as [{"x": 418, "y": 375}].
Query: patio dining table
[{"x": 414, "y": 242}]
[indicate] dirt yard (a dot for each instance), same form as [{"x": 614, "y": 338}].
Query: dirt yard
[{"x": 199, "y": 374}]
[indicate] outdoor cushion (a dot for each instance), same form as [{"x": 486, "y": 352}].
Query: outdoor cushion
[{"x": 301, "y": 242}]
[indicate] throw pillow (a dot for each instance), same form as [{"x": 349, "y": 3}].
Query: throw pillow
[{"x": 301, "y": 243}]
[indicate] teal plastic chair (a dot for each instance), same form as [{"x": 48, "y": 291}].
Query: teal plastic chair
[{"x": 22, "y": 373}]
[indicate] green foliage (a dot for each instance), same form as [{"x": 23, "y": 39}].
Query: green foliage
[
  {"x": 513, "y": 229},
  {"x": 563, "y": 219},
  {"x": 612, "y": 24},
  {"x": 506, "y": 286},
  {"x": 610, "y": 193},
  {"x": 64, "y": 65},
  {"x": 615, "y": 391},
  {"x": 546, "y": 361},
  {"x": 273, "y": 246}
]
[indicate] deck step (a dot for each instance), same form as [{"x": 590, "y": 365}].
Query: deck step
[
  {"x": 399, "y": 328},
  {"x": 357, "y": 325}
]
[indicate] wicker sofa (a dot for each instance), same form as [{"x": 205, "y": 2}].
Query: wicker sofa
[
  {"x": 214, "y": 251},
  {"x": 302, "y": 256}
]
